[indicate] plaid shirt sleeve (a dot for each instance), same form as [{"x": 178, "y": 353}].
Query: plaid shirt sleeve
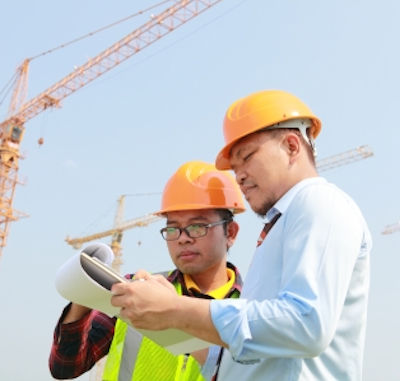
[{"x": 77, "y": 346}]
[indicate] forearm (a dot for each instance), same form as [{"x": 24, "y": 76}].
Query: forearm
[
  {"x": 77, "y": 345},
  {"x": 271, "y": 328},
  {"x": 201, "y": 324},
  {"x": 154, "y": 305},
  {"x": 75, "y": 312},
  {"x": 69, "y": 342}
]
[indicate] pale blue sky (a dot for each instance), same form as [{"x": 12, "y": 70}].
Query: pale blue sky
[{"x": 128, "y": 131}]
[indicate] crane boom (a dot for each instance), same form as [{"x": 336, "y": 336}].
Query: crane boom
[
  {"x": 136, "y": 222},
  {"x": 153, "y": 30},
  {"x": 389, "y": 229},
  {"x": 12, "y": 129},
  {"x": 343, "y": 158}
]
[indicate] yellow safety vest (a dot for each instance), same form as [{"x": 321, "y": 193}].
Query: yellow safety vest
[{"x": 133, "y": 357}]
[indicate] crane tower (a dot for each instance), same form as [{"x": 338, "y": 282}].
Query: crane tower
[{"x": 20, "y": 112}]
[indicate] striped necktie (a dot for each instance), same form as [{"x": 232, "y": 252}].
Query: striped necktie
[{"x": 267, "y": 227}]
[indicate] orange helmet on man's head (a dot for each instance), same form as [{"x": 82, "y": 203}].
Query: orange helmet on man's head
[
  {"x": 199, "y": 185},
  {"x": 263, "y": 109}
]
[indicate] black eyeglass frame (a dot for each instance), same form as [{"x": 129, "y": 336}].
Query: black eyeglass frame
[{"x": 188, "y": 233}]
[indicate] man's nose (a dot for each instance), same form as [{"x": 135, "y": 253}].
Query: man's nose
[
  {"x": 184, "y": 237},
  {"x": 240, "y": 176}
]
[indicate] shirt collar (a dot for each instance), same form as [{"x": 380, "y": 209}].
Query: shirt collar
[
  {"x": 177, "y": 277},
  {"x": 218, "y": 293}
]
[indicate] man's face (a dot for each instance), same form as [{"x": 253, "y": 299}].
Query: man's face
[
  {"x": 195, "y": 256},
  {"x": 260, "y": 162}
]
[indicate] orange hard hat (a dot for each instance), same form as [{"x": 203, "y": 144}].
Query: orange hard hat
[
  {"x": 199, "y": 185},
  {"x": 260, "y": 110}
]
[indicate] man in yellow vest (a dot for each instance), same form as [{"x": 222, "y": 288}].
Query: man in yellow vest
[{"x": 199, "y": 203}]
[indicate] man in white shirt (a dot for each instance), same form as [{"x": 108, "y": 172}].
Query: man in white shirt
[{"x": 302, "y": 311}]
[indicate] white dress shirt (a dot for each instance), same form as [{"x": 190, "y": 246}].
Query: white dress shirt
[{"x": 302, "y": 311}]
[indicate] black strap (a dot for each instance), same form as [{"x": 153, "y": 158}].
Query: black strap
[{"x": 218, "y": 364}]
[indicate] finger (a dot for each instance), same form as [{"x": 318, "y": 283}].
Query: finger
[
  {"x": 115, "y": 301},
  {"x": 122, "y": 312},
  {"x": 117, "y": 289},
  {"x": 158, "y": 277},
  {"x": 118, "y": 300},
  {"x": 162, "y": 280},
  {"x": 142, "y": 274},
  {"x": 122, "y": 288}
]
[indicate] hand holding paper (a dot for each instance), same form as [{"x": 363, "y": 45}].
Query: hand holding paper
[
  {"x": 154, "y": 305},
  {"x": 146, "y": 304},
  {"x": 85, "y": 283}
]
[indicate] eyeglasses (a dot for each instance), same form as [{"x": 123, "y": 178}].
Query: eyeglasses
[{"x": 171, "y": 233}]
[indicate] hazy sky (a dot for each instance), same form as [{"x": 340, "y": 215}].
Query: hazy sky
[{"x": 128, "y": 131}]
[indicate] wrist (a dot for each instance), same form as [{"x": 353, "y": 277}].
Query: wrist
[{"x": 75, "y": 312}]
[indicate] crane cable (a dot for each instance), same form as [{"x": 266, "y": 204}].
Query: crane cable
[
  {"x": 10, "y": 84},
  {"x": 204, "y": 25},
  {"x": 7, "y": 87},
  {"x": 13, "y": 79},
  {"x": 90, "y": 34}
]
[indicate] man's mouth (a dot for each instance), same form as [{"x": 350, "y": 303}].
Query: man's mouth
[
  {"x": 187, "y": 255},
  {"x": 247, "y": 189}
]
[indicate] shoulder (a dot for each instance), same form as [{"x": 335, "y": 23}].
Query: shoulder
[
  {"x": 322, "y": 195},
  {"x": 321, "y": 203}
]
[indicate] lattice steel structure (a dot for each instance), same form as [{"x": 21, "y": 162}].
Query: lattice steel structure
[{"x": 12, "y": 129}]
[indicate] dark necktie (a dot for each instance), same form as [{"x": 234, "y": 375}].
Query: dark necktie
[{"x": 267, "y": 227}]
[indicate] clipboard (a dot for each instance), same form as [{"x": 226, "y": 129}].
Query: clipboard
[
  {"x": 86, "y": 280},
  {"x": 103, "y": 274}
]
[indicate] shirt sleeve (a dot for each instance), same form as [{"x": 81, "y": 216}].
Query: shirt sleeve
[
  {"x": 77, "y": 346},
  {"x": 322, "y": 238}
]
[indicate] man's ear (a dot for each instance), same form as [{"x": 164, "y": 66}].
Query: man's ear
[
  {"x": 292, "y": 145},
  {"x": 232, "y": 230}
]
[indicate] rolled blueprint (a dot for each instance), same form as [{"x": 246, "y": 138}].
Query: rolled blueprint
[{"x": 75, "y": 284}]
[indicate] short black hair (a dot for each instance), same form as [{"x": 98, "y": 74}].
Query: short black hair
[{"x": 225, "y": 214}]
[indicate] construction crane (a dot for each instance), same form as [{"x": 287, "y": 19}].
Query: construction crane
[
  {"x": 115, "y": 232},
  {"x": 389, "y": 229},
  {"x": 344, "y": 158},
  {"x": 12, "y": 129}
]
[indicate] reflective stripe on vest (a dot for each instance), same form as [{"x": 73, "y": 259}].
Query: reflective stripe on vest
[
  {"x": 123, "y": 353},
  {"x": 133, "y": 357}
]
